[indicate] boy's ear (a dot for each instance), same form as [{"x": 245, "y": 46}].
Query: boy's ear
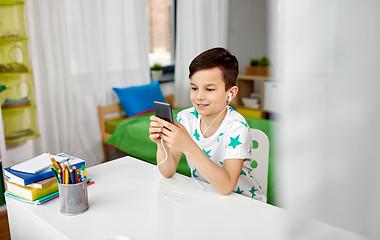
[{"x": 232, "y": 92}]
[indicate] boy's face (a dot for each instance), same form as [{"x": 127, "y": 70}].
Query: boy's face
[{"x": 208, "y": 94}]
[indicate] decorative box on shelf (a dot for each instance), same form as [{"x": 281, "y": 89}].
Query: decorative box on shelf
[{"x": 257, "y": 71}]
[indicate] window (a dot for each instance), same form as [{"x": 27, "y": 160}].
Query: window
[{"x": 162, "y": 25}]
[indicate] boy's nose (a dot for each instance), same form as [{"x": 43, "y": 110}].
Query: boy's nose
[{"x": 200, "y": 95}]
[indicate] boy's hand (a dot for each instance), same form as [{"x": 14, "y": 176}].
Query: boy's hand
[
  {"x": 175, "y": 135},
  {"x": 155, "y": 129}
]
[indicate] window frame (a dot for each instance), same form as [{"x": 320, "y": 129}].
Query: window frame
[{"x": 168, "y": 70}]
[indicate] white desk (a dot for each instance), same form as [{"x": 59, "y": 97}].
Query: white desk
[{"x": 128, "y": 199}]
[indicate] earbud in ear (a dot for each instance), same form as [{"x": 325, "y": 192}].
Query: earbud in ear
[{"x": 229, "y": 97}]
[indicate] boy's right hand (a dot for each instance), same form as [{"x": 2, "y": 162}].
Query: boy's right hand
[{"x": 155, "y": 129}]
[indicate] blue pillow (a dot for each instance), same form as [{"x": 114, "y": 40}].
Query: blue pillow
[{"x": 139, "y": 99}]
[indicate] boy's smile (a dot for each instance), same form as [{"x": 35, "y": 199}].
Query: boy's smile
[{"x": 208, "y": 94}]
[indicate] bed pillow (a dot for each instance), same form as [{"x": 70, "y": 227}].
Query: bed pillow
[{"x": 138, "y": 99}]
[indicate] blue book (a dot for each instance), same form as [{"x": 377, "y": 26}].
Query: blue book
[{"x": 23, "y": 178}]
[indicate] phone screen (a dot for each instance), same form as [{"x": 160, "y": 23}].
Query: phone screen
[{"x": 163, "y": 110}]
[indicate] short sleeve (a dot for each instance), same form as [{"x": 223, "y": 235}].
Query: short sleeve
[
  {"x": 238, "y": 142},
  {"x": 181, "y": 118}
]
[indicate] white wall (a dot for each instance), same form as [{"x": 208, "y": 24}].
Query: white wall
[
  {"x": 18, "y": 152},
  {"x": 248, "y": 30}
]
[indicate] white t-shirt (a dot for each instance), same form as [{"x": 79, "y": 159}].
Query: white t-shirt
[{"x": 231, "y": 141}]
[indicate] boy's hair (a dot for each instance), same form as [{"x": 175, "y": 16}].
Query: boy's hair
[{"x": 220, "y": 58}]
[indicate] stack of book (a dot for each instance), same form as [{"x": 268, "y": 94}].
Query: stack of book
[{"x": 33, "y": 181}]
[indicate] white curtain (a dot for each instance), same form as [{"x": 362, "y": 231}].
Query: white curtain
[
  {"x": 327, "y": 55},
  {"x": 200, "y": 25},
  {"x": 79, "y": 51}
]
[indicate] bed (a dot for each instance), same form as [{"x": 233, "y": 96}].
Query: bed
[{"x": 131, "y": 136}]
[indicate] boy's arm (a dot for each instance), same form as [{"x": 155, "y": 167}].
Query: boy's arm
[
  {"x": 224, "y": 178},
  {"x": 169, "y": 166}
]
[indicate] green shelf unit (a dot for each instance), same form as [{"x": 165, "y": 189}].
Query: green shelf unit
[
  {"x": 12, "y": 19},
  {"x": 16, "y": 87},
  {"x": 16, "y": 77},
  {"x": 12, "y": 39},
  {"x": 14, "y": 56},
  {"x": 20, "y": 124},
  {"x": 13, "y": 74}
]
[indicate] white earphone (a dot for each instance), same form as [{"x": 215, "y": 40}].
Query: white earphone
[{"x": 229, "y": 97}]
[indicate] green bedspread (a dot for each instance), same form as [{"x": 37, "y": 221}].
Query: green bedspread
[{"x": 132, "y": 137}]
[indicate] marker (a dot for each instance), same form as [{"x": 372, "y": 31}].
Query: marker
[
  {"x": 81, "y": 174},
  {"x": 84, "y": 170},
  {"x": 76, "y": 175},
  {"x": 72, "y": 176}
]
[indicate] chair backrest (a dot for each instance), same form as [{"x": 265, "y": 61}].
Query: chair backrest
[{"x": 260, "y": 155}]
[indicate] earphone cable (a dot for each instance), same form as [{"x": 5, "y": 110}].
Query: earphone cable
[{"x": 178, "y": 192}]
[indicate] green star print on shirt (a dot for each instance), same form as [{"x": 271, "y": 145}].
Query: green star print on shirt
[
  {"x": 207, "y": 153},
  {"x": 239, "y": 191},
  {"x": 220, "y": 136},
  {"x": 195, "y": 113},
  {"x": 195, "y": 175},
  {"x": 196, "y": 135},
  {"x": 234, "y": 141},
  {"x": 232, "y": 109},
  {"x": 245, "y": 124},
  {"x": 253, "y": 190}
]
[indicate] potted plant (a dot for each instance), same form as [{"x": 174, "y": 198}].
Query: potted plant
[
  {"x": 258, "y": 67},
  {"x": 156, "y": 71}
]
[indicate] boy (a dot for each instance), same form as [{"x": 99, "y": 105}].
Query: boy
[{"x": 215, "y": 139}]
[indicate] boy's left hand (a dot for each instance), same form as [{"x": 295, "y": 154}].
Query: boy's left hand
[{"x": 176, "y": 136}]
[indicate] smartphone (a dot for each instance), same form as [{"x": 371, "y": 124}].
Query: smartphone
[{"x": 163, "y": 110}]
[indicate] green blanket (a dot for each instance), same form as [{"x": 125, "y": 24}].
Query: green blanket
[{"x": 132, "y": 137}]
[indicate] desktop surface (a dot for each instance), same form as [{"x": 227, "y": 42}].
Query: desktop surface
[{"x": 129, "y": 199}]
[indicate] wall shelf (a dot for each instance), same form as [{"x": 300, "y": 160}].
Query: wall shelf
[{"x": 248, "y": 85}]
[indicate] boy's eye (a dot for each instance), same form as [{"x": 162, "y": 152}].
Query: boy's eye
[
  {"x": 210, "y": 89},
  {"x": 193, "y": 89}
]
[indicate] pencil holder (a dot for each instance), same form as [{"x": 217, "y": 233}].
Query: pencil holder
[{"x": 73, "y": 198}]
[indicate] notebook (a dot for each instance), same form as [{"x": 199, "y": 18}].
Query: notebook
[{"x": 37, "y": 164}]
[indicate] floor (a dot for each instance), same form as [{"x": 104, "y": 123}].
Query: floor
[
  {"x": 114, "y": 153},
  {"x": 4, "y": 228}
]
